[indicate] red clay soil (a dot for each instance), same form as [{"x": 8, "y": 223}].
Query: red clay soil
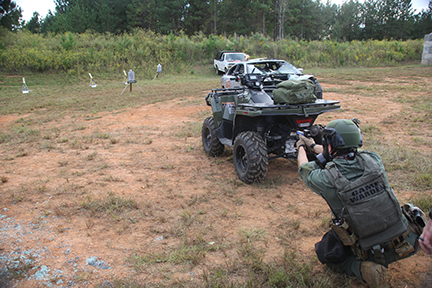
[{"x": 153, "y": 155}]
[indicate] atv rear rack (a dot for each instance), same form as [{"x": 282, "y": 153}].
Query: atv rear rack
[{"x": 263, "y": 109}]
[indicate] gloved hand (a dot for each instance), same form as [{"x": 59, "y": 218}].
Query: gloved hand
[
  {"x": 307, "y": 141},
  {"x": 299, "y": 143}
]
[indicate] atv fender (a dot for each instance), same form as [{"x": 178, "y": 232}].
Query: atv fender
[{"x": 245, "y": 123}]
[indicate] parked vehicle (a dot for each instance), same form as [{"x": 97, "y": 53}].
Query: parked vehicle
[
  {"x": 246, "y": 119},
  {"x": 272, "y": 71},
  {"x": 224, "y": 60}
]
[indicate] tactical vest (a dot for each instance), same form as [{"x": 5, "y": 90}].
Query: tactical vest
[{"x": 370, "y": 206}]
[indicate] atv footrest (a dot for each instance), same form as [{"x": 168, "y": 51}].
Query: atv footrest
[{"x": 226, "y": 141}]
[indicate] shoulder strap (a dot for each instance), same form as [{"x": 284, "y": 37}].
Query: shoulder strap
[
  {"x": 335, "y": 176},
  {"x": 340, "y": 181},
  {"x": 364, "y": 157}
]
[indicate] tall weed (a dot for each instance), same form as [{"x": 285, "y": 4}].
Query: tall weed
[{"x": 143, "y": 50}]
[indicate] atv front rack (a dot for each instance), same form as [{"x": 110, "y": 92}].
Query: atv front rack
[{"x": 223, "y": 91}]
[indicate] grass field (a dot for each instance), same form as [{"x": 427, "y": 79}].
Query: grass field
[{"x": 127, "y": 174}]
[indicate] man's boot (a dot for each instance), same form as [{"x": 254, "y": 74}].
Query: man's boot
[{"x": 375, "y": 275}]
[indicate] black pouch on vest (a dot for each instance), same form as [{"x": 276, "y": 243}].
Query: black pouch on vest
[{"x": 331, "y": 249}]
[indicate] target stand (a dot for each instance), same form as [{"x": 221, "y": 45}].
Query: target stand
[
  {"x": 129, "y": 80},
  {"x": 92, "y": 82},
  {"x": 158, "y": 71},
  {"x": 25, "y": 88}
]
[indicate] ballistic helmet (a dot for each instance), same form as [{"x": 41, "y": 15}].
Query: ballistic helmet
[{"x": 342, "y": 134}]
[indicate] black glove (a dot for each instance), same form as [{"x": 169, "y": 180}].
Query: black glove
[
  {"x": 307, "y": 141},
  {"x": 299, "y": 143}
]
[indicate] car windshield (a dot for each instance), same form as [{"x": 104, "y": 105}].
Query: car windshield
[
  {"x": 235, "y": 56},
  {"x": 275, "y": 67},
  {"x": 287, "y": 68},
  {"x": 254, "y": 70}
]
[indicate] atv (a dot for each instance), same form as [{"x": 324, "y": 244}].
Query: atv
[{"x": 246, "y": 119}]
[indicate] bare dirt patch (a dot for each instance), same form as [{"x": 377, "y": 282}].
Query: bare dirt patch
[{"x": 153, "y": 156}]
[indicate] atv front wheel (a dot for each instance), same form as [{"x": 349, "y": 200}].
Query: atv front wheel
[
  {"x": 212, "y": 146},
  {"x": 250, "y": 157}
]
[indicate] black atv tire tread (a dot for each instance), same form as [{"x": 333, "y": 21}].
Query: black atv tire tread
[
  {"x": 212, "y": 146},
  {"x": 257, "y": 157}
]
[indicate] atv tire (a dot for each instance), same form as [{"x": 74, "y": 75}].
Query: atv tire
[
  {"x": 250, "y": 157},
  {"x": 212, "y": 146}
]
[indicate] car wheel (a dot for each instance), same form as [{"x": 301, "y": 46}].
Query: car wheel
[
  {"x": 212, "y": 146},
  {"x": 250, "y": 157},
  {"x": 216, "y": 70}
]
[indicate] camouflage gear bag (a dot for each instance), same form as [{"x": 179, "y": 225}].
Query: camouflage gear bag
[{"x": 295, "y": 92}]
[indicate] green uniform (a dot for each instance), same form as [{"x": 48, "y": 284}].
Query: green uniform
[{"x": 317, "y": 180}]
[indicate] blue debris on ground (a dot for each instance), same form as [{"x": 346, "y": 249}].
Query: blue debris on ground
[
  {"x": 92, "y": 261},
  {"x": 29, "y": 263}
]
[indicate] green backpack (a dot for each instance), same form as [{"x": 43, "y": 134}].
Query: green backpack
[{"x": 295, "y": 92}]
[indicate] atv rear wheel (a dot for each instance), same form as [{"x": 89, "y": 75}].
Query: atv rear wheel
[
  {"x": 250, "y": 157},
  {"x": 212, "y": 146}
]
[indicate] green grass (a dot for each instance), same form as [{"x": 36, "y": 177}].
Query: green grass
[
  {"x": 190, "y": 254},
  {"x": 372, "y": 75},
  {"x": 290, "y": 271},
  {"x": 54, "y": 94},
  {"x": 423, "y": 201},
  {"x": 109, "y": 204},
  {"x": 189, "y": 129}
]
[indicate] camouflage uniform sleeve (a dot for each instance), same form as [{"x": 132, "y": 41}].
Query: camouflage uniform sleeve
[{"x": 314, "y": 177}]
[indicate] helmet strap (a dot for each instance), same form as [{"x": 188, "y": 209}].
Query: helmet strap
[
  {"x": 348, "y": 153},
  {"x": 326, "y": 152}
]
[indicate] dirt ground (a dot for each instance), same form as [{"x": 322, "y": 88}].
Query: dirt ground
[{"x": 153, "y": 155}]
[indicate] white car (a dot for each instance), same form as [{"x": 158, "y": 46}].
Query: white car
[
  {"x": 224, "y": 60},
  {"x": 272, "y": 71}
]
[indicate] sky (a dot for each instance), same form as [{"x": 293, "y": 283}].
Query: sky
[{"x": 42, "y": 6}]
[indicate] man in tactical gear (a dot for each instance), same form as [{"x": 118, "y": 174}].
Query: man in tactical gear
[{"x": 369, "y": 230}]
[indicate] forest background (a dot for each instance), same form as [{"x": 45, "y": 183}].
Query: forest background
[{"x": 110, "y": 35}]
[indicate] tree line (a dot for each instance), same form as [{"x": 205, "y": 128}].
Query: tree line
[{"x": 278, "y": 19}]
